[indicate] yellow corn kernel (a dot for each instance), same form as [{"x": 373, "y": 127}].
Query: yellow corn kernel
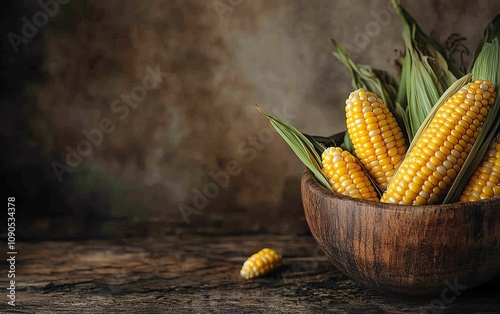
[
  {"x": 346, "y": 175},
  {"x": 485, "y": 181},
  {"x": 442, "y": 148},
  {"x": 384, "y": 145},
  {"x": 261, "y": 263}
]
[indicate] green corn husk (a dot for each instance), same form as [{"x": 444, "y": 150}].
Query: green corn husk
[
  {"x": 379, "y": 82},
  {"x": 376, "y": 81},
  {"x": 347, "y": 144},
  {"x": 330, "y": 141},
  {"x": 320, "y": 143},
  {"x": 486, "y": 67},
  {"x": 305, "y": 148},
  {"x": 427, "y": 72},
  {"x": 426, "y": 40},
  {"x": 491, "y": 32}
]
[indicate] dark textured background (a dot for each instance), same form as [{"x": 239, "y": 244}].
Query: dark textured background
[{"x": 222, "y": 57}]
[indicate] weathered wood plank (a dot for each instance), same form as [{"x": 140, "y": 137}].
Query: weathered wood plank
[{"x": 201, "y": 274}]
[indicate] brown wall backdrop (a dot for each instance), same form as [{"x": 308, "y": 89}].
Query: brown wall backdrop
[{"x": 219, "y": 58}]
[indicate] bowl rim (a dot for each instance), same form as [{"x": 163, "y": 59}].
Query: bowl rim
[{"x": 309, "y": 179}]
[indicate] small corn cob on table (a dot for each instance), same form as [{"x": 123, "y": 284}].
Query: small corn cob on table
[
  {"x": 376, "y": 136},
  {"x": 431, "y": 166},
  {"x": 345, "y": 174},
  {"x": 261, "y": 263},
  {"x": 485, "y": 181}
]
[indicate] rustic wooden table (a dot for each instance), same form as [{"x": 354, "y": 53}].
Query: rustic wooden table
[{"x": 200, "y": 273}]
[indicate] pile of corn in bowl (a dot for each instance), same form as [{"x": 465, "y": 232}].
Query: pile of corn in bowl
[{"x": 430, "y": 137}]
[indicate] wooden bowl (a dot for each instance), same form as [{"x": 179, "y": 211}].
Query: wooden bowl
[{"x": 415, "y": 250}]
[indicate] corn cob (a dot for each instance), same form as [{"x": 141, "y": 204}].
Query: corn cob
[
  {"x": 376, "y": 136},
  {"x": 485, "y": 181},
  {"x": 437, "y": 157},
  {"x": 345, "y": 174},
  {"x": 261, "y": 263}
]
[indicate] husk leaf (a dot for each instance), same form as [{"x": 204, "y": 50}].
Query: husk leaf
[
  {"x": 427, "y": 72},
  {"x": 305, "y": 148},
  {"x": 491, "y": 32}
]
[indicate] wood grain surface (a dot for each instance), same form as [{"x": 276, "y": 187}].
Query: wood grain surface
[{"x": 200, "y": 274}]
